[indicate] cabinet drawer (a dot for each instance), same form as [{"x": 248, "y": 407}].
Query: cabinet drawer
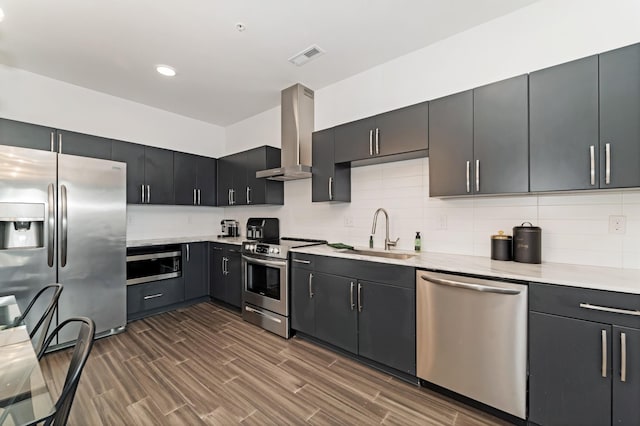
[
  {"x": 587, "y": 304},
  {"x": 148, "y": 296},
  {"x": 304, "y": 261}
]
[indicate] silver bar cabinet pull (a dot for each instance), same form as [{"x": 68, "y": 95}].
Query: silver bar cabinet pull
[
  {"x": 623, "y": 357},
  {"x": 199, "y": 198},
  {"x": 306, "y": 262},
  {"x": 330, "y": 188},
  {"x": 65, "y": 226},
  {"x": 59, "y": 143},
  {"x": 607, "y": 163},
  {"x": 592, "y": 156},
  {"x": 248, "y": 195},
  {"x": 153, "y": 296},
  {"x": 477, "y": 175},
  {"x": 359, "y": 297},
  {"x": 52, "y": 139},
  {"x": 142, "y": 192},
  {"x": 607, "y": 309},
  {"x": 353, "y": 305},
  {"x": 187, "y": 251},
  {"x": 377, "y": 141},
  {"x": 51, "y": 221},
  {"x": 148, "y": 194},
  {"x": 370, "y": 142},
  {"x": 229, "y": 196},
  {"x": 194, "y": 197},
  {"x": 468, "y": 173},
  {"x": 310, "y": 286},
  {"x": 604, "y": 353}
]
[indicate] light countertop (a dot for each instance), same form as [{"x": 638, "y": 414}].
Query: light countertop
[
  {"x": 180, "y": 240},
  {"x": 594, "y": 277}
]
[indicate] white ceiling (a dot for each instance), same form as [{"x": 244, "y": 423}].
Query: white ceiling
[{"x": 224, "y": 76}]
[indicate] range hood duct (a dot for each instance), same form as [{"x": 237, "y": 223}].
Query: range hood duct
[{"x": 296, "y": 122}]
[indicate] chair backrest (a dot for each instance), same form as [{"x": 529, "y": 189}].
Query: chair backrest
[
  {"x": 45, "y": 320},
  {"x": 81, "y": 352}
]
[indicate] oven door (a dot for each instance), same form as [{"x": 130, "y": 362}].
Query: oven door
[{"x": 265, "y": 283}]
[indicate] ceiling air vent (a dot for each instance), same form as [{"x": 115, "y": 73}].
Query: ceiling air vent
[{"x": 306, "y": 55}]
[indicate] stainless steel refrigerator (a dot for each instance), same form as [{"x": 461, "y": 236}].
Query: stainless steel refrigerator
[{"x": 63, "y": 219}]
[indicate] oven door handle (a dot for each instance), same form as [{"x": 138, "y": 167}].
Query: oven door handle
[{"x": 275, "y": 264}]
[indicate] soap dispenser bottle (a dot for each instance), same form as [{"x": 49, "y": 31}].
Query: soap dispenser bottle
[{"x": 418, "y": 242}]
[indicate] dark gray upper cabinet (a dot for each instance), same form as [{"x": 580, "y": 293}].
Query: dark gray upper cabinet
[
  {"x": 194, "y": 179},
  {"x": 237, "y": 182},
  {"x": 501, "y": 137},
  {"x": 394, "y": 135},
  {"x": 563, "y": 103},
  {"x": 133, "y": 155},
  {"x": 73, "y": 143},
  {"x": 149, "y": 172},
  {"x": 330, "y": 181},
  {"x": 336, "y": 317},
  {"x": 451, "y": 165},
  {"x": 26, "y": 135},
  {"x": 194, "y": 260},
  {"x": 619, "y": 117}
]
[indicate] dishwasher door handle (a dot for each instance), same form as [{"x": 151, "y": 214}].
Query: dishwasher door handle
[{"x": 468, "y": 286}]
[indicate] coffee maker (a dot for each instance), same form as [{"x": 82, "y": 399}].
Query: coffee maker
[{"x": 230, "y": 228}]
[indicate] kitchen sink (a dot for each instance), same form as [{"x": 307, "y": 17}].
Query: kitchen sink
[{"x": 380, "y": 253}]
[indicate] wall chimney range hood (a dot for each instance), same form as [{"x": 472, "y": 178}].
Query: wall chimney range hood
[{"x": 296, "y": 126}]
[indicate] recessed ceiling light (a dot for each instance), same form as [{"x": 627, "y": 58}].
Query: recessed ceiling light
[{"x": 166, "y": 70}]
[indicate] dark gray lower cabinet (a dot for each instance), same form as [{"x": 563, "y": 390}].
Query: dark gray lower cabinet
[
  {"x": 337, "y": 301},
  {"x": 154, "y": 297},
  {"x": 194, "y": 270},
  {"x": 225, "y": 269},
  {"x": 584, "y": 358},
  {"x": 336, "y": 318}
]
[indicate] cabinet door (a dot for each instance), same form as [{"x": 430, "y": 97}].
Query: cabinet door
[
  {"x": 207, "y": 171},
  {"x": 233, "y": 278},
  {"x": 563, "y": 117},
  {"x": 158, "y": 175},
  {"x": 626, "y": 387},
  {"x": 402, "y": 130},
  {"x": 501, "y": 137},
  {"x": 302, "y": 302},
  {"x": 336, "y": 315},
  {"x": 217, "y": 288},
  {"x": 25, "y": 135},
  {"x": 619, "y": 112},
  {"x": 387, "y": 325},
  {"x": 224, "y": 181},
  {"x": 566, "y": 384},
  {"x": 73, "y": 143},
  {"x": 322, "y": 165},
  {"x": 354, "y": 141},
  {"x": 133, "y": 155},
  {"x": 451, "y": 145},
  {"x": 255, "y": 189},
  {"x": 185, "y": 178},
  {"x": 195, "y": 270}
]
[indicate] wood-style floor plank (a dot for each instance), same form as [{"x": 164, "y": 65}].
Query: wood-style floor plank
[{"x": 203, "y": 365}]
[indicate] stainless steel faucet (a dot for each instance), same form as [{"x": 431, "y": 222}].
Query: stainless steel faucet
[{"x": 387, "y": 242}]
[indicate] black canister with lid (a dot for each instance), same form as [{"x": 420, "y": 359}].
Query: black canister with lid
[
  {"x": 527, "y": 243},
  {"x": 501, "y": 246}
]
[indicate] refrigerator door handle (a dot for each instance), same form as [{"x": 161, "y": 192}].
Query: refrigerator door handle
[
  {"x": 51, "y": 225},
  {"x": 65, "y": 225}
]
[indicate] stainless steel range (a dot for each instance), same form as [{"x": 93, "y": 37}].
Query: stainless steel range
[{"x": 265, "y": 277}]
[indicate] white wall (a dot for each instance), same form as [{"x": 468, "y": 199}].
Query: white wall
[
  {"x": 575, "y": 226},
  {"x": 33, "y": 98}
]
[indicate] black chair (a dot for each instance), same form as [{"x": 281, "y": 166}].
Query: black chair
[
  {"x": 47, "y": 315},
  {"x": 81, "y": 352}
]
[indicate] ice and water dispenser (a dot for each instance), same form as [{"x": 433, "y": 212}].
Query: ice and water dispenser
[{"x": 21, "y": 225}]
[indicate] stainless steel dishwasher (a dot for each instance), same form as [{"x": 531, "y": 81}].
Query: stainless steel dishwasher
[{"x": 472, "y": 338}]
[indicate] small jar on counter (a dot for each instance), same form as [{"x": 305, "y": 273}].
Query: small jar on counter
[{"x": 501, "y": 246}]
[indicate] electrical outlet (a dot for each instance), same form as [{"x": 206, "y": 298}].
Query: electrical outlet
[
  {"x": 348, "y": 221},
  {"x": 617, "y": 224},
  {"x": 442, "y": 223}
]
